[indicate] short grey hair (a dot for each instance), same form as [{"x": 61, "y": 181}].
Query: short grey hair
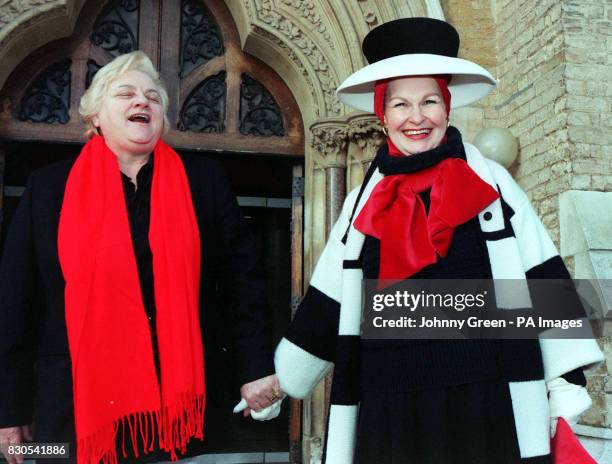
[{"x": 91, "y": 101}]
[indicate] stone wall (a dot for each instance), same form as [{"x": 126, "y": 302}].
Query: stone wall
[
  {"x": 474, "y": 22},
  {"x": 531, "y": 100},
  {"x": 587, "y": 27},
  {"x": 552, "y": 57}
]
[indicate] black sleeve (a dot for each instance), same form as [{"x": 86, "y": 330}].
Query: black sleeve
[
  {"x": 315, "y": 325},
  {"x": 18, "y": 292},
  {"x": 243, "y": 284},
  {"x": 576, "y": 377},
  {"x": 554, "y": 268}
]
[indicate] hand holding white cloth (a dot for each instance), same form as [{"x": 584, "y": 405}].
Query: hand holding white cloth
[{"x": 271, "y": 412}]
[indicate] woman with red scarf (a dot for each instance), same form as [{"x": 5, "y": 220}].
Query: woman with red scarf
[
  {"x": 108, "y": 287},
  {"x": 430, "y": 207}
]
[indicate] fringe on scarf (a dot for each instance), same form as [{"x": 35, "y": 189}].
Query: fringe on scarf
[{"x": 171, "y": 428}]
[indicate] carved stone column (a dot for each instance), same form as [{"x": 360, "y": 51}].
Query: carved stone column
[
  {"x": 327, "y": 149},
  {"x": 365, "y": 136},
  {"x": 329, "y": 142}
]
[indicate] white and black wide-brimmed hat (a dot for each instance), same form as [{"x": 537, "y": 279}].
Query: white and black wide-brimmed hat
[{"x": 415, "y": 47}]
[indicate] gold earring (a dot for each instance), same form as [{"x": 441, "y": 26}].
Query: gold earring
[
  {"x": 447, "y": 124},
  {"x": 384, "y": 129}
]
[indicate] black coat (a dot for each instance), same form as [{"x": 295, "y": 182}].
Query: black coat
[{"x": 35, "y": 369}]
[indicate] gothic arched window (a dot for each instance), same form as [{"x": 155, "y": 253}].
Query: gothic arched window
[{"x": 220, "y": 97}]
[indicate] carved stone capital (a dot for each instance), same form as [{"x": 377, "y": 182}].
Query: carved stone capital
[
  {"x": 365, "y": 131},
  {"x": 329, "y": 141}
]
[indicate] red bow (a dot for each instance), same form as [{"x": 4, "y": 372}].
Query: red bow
[{"x": 411, "y": 239}]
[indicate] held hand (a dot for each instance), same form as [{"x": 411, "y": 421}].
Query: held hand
[
  {"x": 13, "y": 436},
  {"x": 261, "y": 393},
  {"x": 269, "y": 413}
]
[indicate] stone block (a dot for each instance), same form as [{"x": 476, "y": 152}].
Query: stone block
[
  {"x": 583, "y": 150},
  {"x": 596, "y": 383},
  {"x": 549, "y": 205},
  {"x": 535, "y": 103},
  {"x": 606, "y": 151},
  {"x": 601, "y": 183},
  {"x": 603, "y": 27},
  {"x": 596, "y": 414},
  {"x": 581, "y": 41},
  {"x": 588, "y": 166},
  {"x": 572, "y": 10},
  {"x": 573, "y": 24},
  {"x": 529, "y": 181},
  {"x": 555, "y": 12},
  {"x": 526, "y": 152},
  {"x": 587, "y": 104},
  {"x": 582, "y": 10},
  {"x": 581, "y": 182},
  {"x": 554, "y": 91},
  {"x": 575, "y": 86},
  {"x": 586, "y": 72},
  {"x": 588, "y": 134},
  {"x": 597, "y": 57},
  {"x": 575, "y": 55},
  {"x": 578, "y": 118},
  {"x": 586, "y": 221}
]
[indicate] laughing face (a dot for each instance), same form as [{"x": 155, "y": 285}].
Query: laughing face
[
  {"x": 415, "y": 115},
  {"x": 131, "y": 118}
]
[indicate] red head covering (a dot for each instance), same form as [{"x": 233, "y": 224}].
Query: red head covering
[{"x": 380, "y": 90}]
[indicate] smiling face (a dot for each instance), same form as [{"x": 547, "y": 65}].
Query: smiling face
[
  {"x": 415, "y": 115},
  {"x": 131, "y": 117}
]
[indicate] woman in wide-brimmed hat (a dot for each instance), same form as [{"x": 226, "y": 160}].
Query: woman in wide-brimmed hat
[{"x": 430, "y": 207}]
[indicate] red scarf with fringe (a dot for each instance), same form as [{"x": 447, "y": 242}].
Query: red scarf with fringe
[{"x": 113, "y": 370}]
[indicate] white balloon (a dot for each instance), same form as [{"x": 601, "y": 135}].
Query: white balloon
[{"x": 498, "y": 144}]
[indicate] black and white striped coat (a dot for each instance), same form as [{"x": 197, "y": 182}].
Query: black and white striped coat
[{"x": 327, "y": 326}]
